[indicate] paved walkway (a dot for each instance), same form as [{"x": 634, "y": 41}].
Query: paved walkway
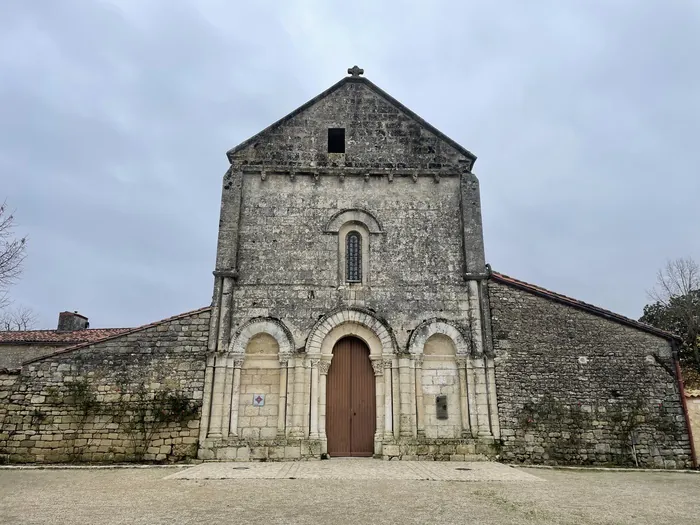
[
  {"x": 359, "y": 469},
  {"x": 142, "y": 496}
]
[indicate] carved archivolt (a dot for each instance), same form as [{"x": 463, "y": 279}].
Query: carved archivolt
[
  {"x": 437, "y": 326},
  {"x": 359, "y": 316},
  {"x": 259, "y": 325}
]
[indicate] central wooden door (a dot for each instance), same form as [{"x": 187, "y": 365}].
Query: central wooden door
[{"x": 350, "y": 411}]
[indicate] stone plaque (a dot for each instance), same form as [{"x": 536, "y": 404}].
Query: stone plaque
[{"x": 258, "y": 400}]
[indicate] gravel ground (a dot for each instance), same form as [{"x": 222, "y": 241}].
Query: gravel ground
[{"x": 143, "y": 496}]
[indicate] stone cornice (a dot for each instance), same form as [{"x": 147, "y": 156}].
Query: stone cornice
[{"x": 342, "y": 171}]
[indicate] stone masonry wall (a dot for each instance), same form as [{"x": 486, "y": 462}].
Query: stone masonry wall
[
  {"x": 377, "y": 134},
  {"x": 287, "y": 204},
  {"x": 693, "y": 404},
  {"x": 259, "y": 422},
  {"x": 289, "y": 267},
  {"x": 575, "y": 388},
  {"x": 13, "y": 355},
  {"x": 440, "y": 378},
  {"x": 132, "y": 397}
]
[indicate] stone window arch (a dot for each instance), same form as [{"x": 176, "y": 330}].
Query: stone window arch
[
  {"x": 354, "y": 228},
  {"x": 353, "y": 254}
]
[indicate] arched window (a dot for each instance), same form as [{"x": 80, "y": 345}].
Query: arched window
[{"x": 353, "y": 257}]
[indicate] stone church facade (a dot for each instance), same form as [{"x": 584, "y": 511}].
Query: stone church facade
[{"x": 354, "y": 314}]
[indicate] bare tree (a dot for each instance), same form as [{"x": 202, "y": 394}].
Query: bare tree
[
  {"x": 12, "y": 253},
  {"x": 678, "y": 278},
  {"x": 17, "y": 319},
  {"x": 676, "y": 304}
]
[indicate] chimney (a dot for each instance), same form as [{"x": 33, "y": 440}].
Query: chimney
[{"x": 70, "y": 321}]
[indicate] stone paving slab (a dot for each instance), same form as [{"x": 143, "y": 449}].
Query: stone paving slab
[{"x": 359, "y": 469}]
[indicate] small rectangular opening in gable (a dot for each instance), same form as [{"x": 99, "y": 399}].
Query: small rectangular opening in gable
[{"x": 336, "y": 140}]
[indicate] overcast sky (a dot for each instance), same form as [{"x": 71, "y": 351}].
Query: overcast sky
[{"x": 115, "y": 118}]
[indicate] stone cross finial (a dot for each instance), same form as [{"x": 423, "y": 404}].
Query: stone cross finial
[{"x": 355, "y": 71}]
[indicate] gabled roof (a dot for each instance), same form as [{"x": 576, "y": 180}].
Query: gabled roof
[
  {"x": 359, "y": 80},
  {"x": 596, "y": 310},
  {"x": 56, "y": 337},
  {"x": 128, "y": 331}
]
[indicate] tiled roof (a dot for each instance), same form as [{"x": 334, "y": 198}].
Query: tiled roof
[
  {"x": 596, "y": 310},
  {"x": 125, "y": 331},
  {"x": 54, "y": 337}
]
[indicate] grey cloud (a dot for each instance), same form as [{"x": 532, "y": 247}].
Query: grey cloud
[{"x": 116, "y": 118}]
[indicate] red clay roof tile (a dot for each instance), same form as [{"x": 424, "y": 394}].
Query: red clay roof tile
[{"x": 54, "y": 337}]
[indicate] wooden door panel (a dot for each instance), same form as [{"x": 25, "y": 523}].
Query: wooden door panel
[
  {"x": 362, "y": 397},
  {"x": 338, "y": 408},
  {"x": 350, "y": 400}
]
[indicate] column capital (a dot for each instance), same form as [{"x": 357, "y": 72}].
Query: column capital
[
  {"x": 387, "y": 362},
  {"x": 324, "y": 366},
  {"x": 284, "y": 358},
  {"x": 377, "y": 366},
  {"x": 238, "y": 360}
]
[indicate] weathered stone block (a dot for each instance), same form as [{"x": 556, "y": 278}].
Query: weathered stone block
[
  {"x": 390, "y": 450},
  {"x": 292, "y": 452}
]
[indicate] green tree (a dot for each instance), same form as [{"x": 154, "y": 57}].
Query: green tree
[{"x": 676, "y": 306}]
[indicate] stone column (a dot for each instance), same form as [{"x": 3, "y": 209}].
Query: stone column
[
  {"x": 235, "y": 394},
  {"x": 206, "y": 397},
  {"x": 226, "y": 408},
  {"x": 407, "y": 406},
  {"x": 306, "y": 411},
  {"x": 299, "y": 407},
  {"x": 214, "y": 315},
  {"x": 463, "y": 394},
  {"x": 378, "y": 368},
  {"x": 289, "y": 412},
  {"x": 412, "y": 397},
  {"x": 482, "y": 400},
  {"x": 217, "y": 397},
  {"x": 225, "y": 313},
  {"x": 323, "y": 367},
  {"x": 420, "y": 406},
  {"x": 493, "y": 402},
  {"x": 396, "y": 398},
  {"x": 471, "y": 397},
  {"x": 313, "y": 424},
  {"x": 282, "y": 404},
  {"x": 388, "y": 412},
  {"x": 474, "y": 301}
]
